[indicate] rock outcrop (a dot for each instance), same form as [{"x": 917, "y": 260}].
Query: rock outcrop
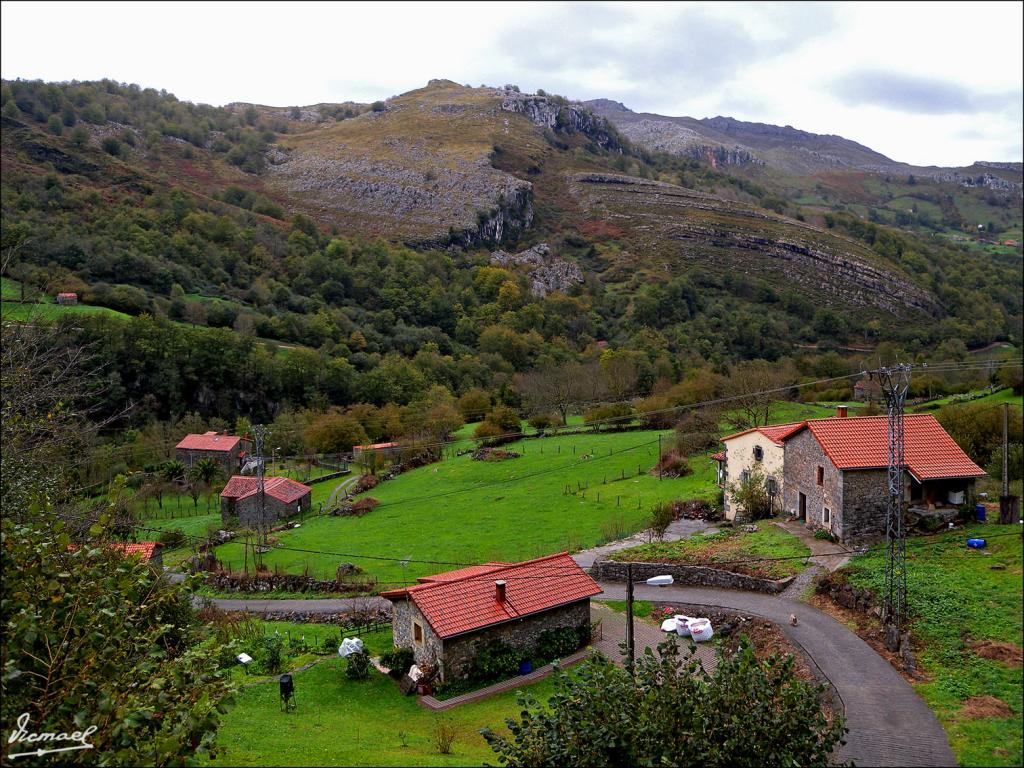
[
  {"x": 678, "y": 228},
  {"x": 547, "y": 272},
  {"x": 567, "y": 118}
]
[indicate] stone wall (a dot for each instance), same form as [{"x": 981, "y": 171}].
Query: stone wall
[
  {"x": 430, "y": 651},
  {"x": 612, "y": 570},
  {"x": 228, "y": 460},
  {"x": 803, "y": 457},
  {"x": 521, "y": 634},
  {"x": 865, "y": 499}
]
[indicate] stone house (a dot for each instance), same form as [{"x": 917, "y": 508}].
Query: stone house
[
  {"x": 227, "y": 450},
  {"x": 445, "y": 618},
  {"x": 67, "y": 298},
  {"x": 760, "y": 448},
  {"x": 835, "y": 474},
  {"x": 868, "y": 391},
  {"x": 240, "y": 503}
]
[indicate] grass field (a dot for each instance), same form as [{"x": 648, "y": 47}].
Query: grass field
[
  {"x": 956, "y": 599},
  {"x": 13, "y": 311},
  {"x": 464, "y": 511},
  {"x": 721, "y": 550},
  {"x": 339, "y": 721}
]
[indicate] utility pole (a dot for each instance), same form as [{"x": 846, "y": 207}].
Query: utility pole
[
  {"x": 895, "y": 381},
  {"x": 659, "y": 456},
  {"x": 630, "y": 655}
]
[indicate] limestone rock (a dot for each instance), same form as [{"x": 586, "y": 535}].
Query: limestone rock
[{"x": 547, "y": 273}]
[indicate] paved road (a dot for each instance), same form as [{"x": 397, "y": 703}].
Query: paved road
[
  {"x": 329, "y": 605},
  {"x": 889, "y": 724}
]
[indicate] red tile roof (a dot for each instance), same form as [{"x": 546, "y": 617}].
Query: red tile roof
[
  {"x": 468, "y": 602},
  {"x": 862, "y": 442},
  {"x": 776, "y": 432},
  {"x": 280, "y": 488},
  {"x": 720, "y": 456},
  {"x": 144, "y": 548},
  {"x": 67, "y": 295},
  {"x": 209, "y": 441},
  {"x": 375, "y": 446}
]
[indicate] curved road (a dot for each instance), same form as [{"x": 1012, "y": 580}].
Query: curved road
[{"x": 889, "y": 724}]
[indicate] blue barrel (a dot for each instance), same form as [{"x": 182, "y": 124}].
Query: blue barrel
[
  {"x": 525, "y": 667},
  {"x": 976, "y": 543},
  {"x": 979, "y": 513}
]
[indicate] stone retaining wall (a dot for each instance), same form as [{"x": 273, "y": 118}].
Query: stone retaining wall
[{"x": 613, "y": 570}]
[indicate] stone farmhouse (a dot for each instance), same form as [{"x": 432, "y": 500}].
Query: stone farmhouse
[
  {"x": 67, "y": 298},
  {"x": 227, "y": 450},
  {"x": 831, "y": 473},
  {"x": 836, "y": 469},
  {"x": 446, "y": 617},
  {"x": 239, "y": 501}
]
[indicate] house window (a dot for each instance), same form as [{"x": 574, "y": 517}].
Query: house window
[
  {"x": 826, "y": 516},
  {"x": 417, "y": 633},
  {"x": 758, "y": 453},
  {"x": 821, "y": 475},
  {"x": 745, "y": 476}
]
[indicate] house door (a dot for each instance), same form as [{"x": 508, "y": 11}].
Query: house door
[{"x": 803, "y": 506}]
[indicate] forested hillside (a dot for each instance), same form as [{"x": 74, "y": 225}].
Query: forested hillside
[{"x": 257, "y": 288}]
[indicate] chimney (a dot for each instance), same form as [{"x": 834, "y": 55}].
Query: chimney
[
  {"x": 499, "y": 591},
  {"x": 841, "y": 411}
]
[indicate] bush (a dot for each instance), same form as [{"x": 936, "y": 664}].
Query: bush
[
  {"x": 494, "y": 660},
  {"x": 444, "y": 734},
  {"x": 365, "y": 505},
  {"x": 662, "y": 516},
  {"x": 673, "y": 464},
  {"x": 111, "y": 146},
  {"x": 358, "y": 667},
  {"x": 173, "y": 538},
  {"x": 271, "y": 657},
  {"x": 558, "y": 643},
  {"x": 611, "y": 411},
  {"x": 487, "y": 429},
  {"x": 398, "y": 661}
]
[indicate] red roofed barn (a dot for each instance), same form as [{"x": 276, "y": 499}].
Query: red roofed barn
[
  {"x": 223, "y": 448},
  {"x": 239, "y": 501},
  {"x": 445, "y": 618},
  {"x": 836, "y": 468}
]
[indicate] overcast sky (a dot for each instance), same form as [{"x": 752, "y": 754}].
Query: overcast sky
[{"x": 930, "y": 84}]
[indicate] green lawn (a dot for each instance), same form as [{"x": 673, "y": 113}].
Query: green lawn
[
  {"x": 955, "y": 599},
  {"x": 722, "y": 550},
  {"x": 1000, "y": 396},
  {"x": 465, "y": 511},
  {"x": 13, "y": 311},
  {"x": 342, "y": 722}
]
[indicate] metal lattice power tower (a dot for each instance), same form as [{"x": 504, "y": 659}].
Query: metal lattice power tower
[
  {"x": 259, "y": 435},
  {"x": 895, "y": 381}
]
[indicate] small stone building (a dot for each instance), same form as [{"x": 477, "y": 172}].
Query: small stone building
[
  {"x": 227, "y": 450},
  {"x": 67, "y": 298},
  {"x": 868, "y": 391},
  {"x": 445, "y": 618},
  {"x": 836, "y": 474},
  {"x": 240, "y": 500}
]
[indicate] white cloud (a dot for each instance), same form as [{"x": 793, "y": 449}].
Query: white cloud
[{"x": 919, "y": 78}]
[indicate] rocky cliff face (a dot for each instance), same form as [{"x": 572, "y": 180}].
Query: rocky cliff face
[
  {"x": 547, "y": 273},
  {"x": 560, "y": 118},
  {"x": 986, "y": 180},
  {"x": 678, "y": 229}
]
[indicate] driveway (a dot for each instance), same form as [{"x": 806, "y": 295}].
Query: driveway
[{"x": 889, "y": 724}]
